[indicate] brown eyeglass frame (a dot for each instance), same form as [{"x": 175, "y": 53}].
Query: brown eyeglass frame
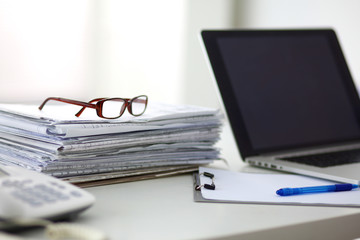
[{"x": 98, "y": 106}]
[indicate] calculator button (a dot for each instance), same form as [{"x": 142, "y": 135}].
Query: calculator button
[
  {"x": 7, "y": 183},
  {"x": 46, "y": 197},
  {"x": 11, "y": 183},
  {"x": 16, "y": 183},
  {"x": 60, "y": 186},
  {"x": 76, "y": 194},
  {"x": 26, "y": 198},
  {"x": 51, "y": 191}
]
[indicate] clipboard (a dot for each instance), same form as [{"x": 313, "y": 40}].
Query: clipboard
[{"x": 260, "y": 188}]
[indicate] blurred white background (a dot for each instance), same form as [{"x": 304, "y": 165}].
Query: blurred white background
[{"x": 83, "y": 49}]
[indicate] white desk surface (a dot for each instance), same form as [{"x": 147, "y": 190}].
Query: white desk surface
[{"x": 164, "y": 209}]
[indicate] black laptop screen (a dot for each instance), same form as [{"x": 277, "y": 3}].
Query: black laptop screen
[{"x": 285, "y": 89}]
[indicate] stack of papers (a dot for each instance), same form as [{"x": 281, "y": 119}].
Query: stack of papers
[{"x": 55, "y": 141}]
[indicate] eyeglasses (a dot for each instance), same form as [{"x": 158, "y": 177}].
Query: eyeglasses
[{"x": 109, "y": 108}]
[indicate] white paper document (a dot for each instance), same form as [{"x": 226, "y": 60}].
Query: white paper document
[
  {"x": 60, "y": 120},
  {"x": 261, "y": 189}
]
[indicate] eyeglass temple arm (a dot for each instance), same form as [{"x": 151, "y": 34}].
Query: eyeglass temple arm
[
  {"x": 75, "y": 102},
  {"x": 83, "y": 108}
]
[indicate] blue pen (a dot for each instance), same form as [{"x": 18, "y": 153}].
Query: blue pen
[{"x": 318, "y": 189}]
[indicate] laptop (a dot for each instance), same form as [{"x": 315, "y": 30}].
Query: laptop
[{"x": 290, "y": 100}]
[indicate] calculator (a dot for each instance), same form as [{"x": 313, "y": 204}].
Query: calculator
[{"x": 27, "y": 194}]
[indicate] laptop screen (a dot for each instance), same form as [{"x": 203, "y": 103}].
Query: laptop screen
[{"x": 284, "y": 89}]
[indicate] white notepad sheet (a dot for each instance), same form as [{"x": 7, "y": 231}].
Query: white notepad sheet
[{"x": 261, "y": 188}]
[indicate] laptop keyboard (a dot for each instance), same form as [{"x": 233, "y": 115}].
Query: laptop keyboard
[{"x": 324, "y": 160}]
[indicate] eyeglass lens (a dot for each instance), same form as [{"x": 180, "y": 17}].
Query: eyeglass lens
[
  {"x": 138, "y": 105},
  {"x": 114, "y": 108}
]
